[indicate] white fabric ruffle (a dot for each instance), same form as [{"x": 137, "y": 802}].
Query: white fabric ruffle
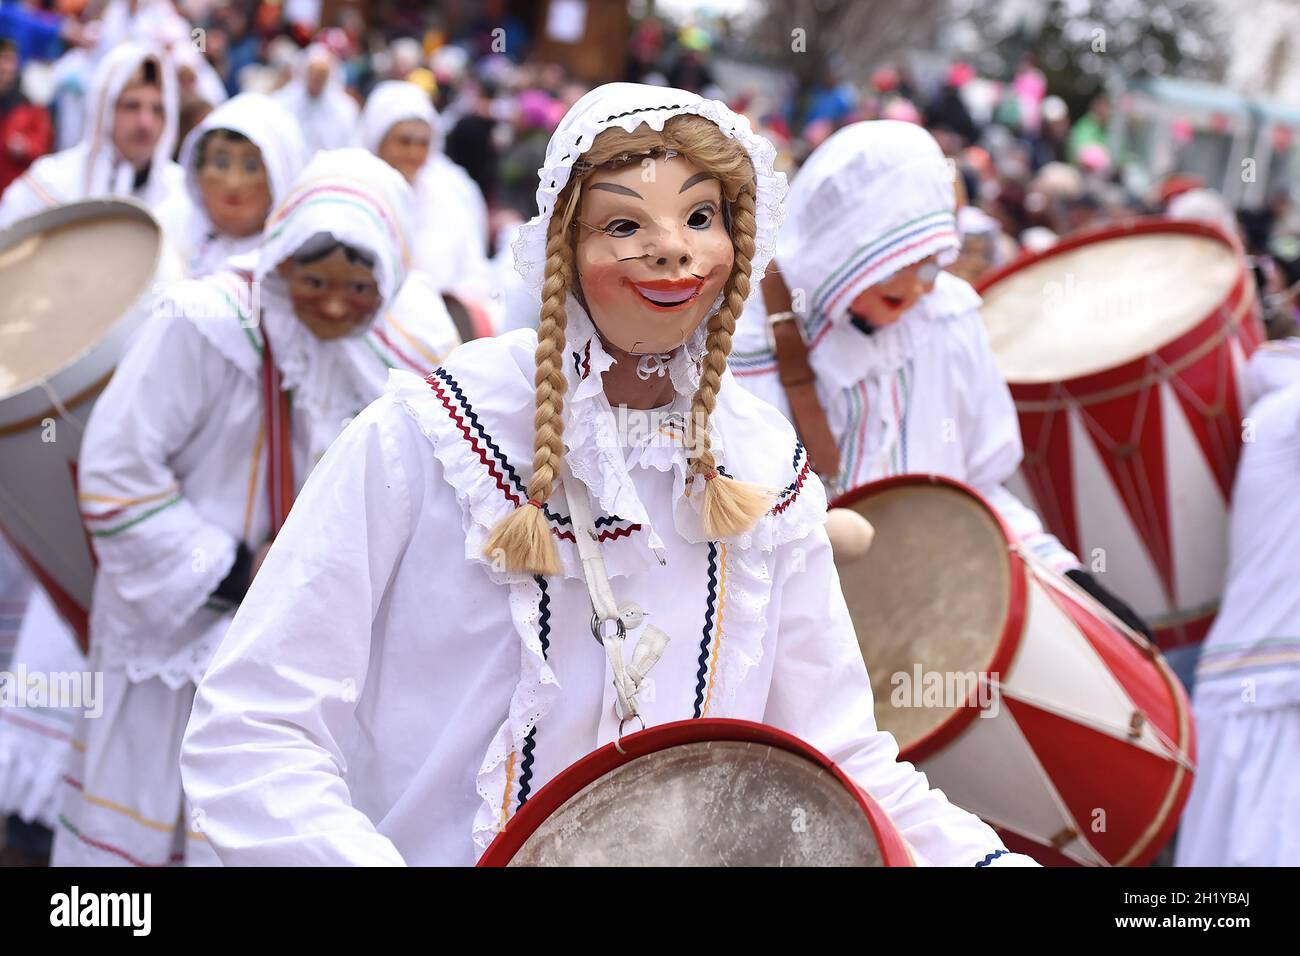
[{"x": 472, "y": 412}]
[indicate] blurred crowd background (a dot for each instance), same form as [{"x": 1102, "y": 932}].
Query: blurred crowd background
[{"x": 1058, "y": 116}]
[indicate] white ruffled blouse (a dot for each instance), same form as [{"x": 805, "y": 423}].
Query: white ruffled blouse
[
  {"x": 387, "y": 695},
  {"x": 167, "y": 496}
]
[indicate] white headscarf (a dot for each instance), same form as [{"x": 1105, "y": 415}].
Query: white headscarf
[
  {"x": 393, "y": 102},
  {"x": 450, "y": 215},
  {"x": 872, "y": 199},
  {"x": 104, "y": 172},
  {"x": 327, "y": 120},
  {"x": 363, "y": 202},
  {"x": 267, "y": 125},
  {"x": 627, "y": 106}
]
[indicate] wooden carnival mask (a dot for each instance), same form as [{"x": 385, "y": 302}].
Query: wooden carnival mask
[
  {"x": 235, "y": 184},
  {"x": 653, "y": 250}
]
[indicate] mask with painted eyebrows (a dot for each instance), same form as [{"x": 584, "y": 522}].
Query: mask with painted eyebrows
[{"x": 653, "y": 252}]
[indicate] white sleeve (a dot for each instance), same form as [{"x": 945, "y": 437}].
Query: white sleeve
[
  {"x": 262, "y": 760},
  {"x": 820, "y": 692},
  {"x": 155, "y": 550},
  {"x": 991, "y": 432},
  {"x": 20, "y": 200}
]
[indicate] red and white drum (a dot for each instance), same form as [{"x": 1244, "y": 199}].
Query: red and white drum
[
  {"x": 707, "y": 792},
  {"x": 1020, "y": 696},
  {"x": 1125, "y": 349},
  {"x": 78, "y": 281}
]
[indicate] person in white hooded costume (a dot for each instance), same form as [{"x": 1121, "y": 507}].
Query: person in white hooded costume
[
  {"x": 904, "y": 372},
  {"x": 1246, "y": 700},
  {"x": 125, "y": 149},
  {"x": 190, "y": 460},
  {"x": 34, "y": 740},
  {"x": 317, "y": 97},
  {"x": 233, "y": 186},
  {"x": 416, "y": 657},
  {"x": 400, "y": 125}
]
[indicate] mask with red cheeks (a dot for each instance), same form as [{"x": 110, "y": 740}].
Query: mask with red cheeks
[
  {"x": 334, "y": 295},
  {"x": 885, "y": 302},
  {"x": 235, "y": 185},
  {"x": 653, "y": 251}
]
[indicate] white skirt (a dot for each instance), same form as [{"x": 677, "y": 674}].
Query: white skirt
[
  {"x": 1244, "y": 808},
  {"x": 34, "y": 739},
  {"x": 122, "y": 803}
]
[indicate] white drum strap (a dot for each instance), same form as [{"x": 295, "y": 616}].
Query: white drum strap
[{"x": 628, "y": 679}]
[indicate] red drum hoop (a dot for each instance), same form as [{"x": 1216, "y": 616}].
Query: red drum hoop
[
  {"x": 599, "y": 764},
  {"x": 1012, "y": 631}
]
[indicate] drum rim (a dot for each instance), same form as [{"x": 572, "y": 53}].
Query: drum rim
[
  {"x": 1137, "y": 226},
  {"x": 67, "y": 214},
  {"x": 1229, "y": 320},
  {"x": 1013, "y": 629},
  {"x": 569, "y": 782},
  {"x": 1234, "y": 310}
]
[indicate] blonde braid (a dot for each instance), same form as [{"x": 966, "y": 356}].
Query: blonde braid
[
  {"x": 522, "y": 540},
  {"x": 730, "y": 507}
]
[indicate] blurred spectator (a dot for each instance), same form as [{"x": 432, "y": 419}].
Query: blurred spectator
[
  {"x": 316, "y": 95},
  {"x": 25, "y": 129},
  {"x": 237, "y": 46},
  {"x": 470, "y": 142},
  {"x": 37, "y": 34},
  {"x": 536, "y": 117},
  {"x": 644, "y": 50},
  {"x": 947, "y": 116},
  {"x": 1049, "y": 144},
  {"x": 690, "y": 69},
  {"x": 1091, "y": 129}
]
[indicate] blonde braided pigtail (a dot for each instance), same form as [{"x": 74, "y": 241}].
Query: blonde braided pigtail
[
  {"x": 522, "y": 540},
  {"x": 730, "y": 507}
]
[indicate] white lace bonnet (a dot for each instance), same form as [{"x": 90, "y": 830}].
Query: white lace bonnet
[{"x": 626, "y": 106}]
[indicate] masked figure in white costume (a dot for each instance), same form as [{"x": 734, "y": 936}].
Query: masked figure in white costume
[
  {"x": 401, "y": 127},
  {"x": 416, "y": 657},
  {"x": 239, "y": 163},
  {"x": 125, "y": 149},
  {"x": 903, "y": 377},
  {"x": 316, "y": 95},
  {"x": 1242, "y": 808},
  {"x": 191, "y": 459}
]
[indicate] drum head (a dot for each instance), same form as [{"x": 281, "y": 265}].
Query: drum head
[
  {"x": 1105, "y": 301},
  {"x": 933, "y": 592},
  {"x": 69, "y": 275},
  {"x": 708, "y": 803}
]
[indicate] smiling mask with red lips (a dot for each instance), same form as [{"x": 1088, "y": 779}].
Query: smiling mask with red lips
[{"x": 653, "y": 252}]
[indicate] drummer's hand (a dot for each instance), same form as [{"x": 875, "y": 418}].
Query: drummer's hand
[
  {"x": 258, "y": 557},
  {"x": 1109, "y": 600}
]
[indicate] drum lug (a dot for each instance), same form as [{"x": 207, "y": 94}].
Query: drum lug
[{"x": 1064, "y": 838}]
